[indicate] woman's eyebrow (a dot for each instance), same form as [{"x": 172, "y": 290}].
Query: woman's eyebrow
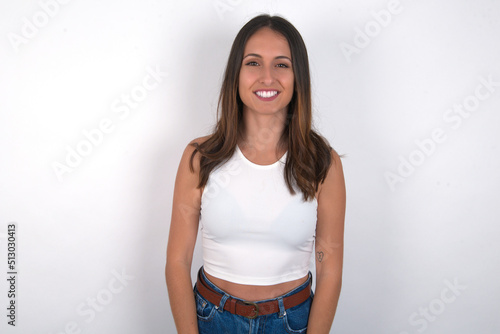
[{"x": 259, "y": 56}]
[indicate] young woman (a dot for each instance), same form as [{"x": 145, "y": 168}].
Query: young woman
[{"x": 266, "y": 191}]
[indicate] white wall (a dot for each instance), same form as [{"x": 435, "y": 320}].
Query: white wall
[{"x": 435, "y": 225}]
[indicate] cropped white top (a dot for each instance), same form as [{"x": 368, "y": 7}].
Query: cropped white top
[{"x": 253, "y": 230}]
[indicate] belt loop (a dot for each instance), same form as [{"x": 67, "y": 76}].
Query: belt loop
[
  {"x": 282, "y": 307},
  {"x": 222, "y": 302},
  {"x": 198, "y": 275}
]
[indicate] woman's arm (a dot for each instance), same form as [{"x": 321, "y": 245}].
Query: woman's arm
[
  {"x": 181, "y": 242},
  {"x": 329, "y": 249}
]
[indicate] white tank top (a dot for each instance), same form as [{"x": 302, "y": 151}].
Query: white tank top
[{"x": 253, "y": 230}]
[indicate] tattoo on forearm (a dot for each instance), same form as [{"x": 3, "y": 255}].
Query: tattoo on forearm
[{"x": 319, "y": 256}]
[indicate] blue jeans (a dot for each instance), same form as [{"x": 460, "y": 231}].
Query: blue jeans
[{"x": 213, "y": 319}]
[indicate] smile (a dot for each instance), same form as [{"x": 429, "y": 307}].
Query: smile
[{"x": 267, "y": 95}]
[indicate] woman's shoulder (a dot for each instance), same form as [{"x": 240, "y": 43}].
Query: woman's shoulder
[
  {"x": 335, "y": 172},
  {"x": 199, "y": 140},
  {"x": 191, "y": 157},
  {"x": 193, "y": 144}
]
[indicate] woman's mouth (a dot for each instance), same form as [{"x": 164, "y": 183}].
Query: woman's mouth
[{"x": 266, "y": 95}]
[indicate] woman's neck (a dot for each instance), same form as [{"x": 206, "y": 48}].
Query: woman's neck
[{"x": 261, "y": 133}]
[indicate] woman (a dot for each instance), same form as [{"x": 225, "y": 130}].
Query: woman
[{"x": 265, "y": 189}]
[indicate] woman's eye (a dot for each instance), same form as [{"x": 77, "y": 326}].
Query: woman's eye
[{"x": 254, "y": 63}]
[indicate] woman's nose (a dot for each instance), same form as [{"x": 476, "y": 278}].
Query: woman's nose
[{"x": 267, "y": 75}]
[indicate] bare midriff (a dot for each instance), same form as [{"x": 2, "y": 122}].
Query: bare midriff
[{"x": 255, "y": 292}]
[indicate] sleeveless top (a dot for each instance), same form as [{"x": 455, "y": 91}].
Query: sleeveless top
[{"x": 253, "y": 230}]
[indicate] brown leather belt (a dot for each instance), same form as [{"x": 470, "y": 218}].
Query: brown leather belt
[{"x": 250, "y": 309}]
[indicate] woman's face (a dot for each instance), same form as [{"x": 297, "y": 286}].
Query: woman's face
[{"x": 266, "y": 82}]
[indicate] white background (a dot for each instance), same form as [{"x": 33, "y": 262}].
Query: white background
[{"x": 404, "y": 244}]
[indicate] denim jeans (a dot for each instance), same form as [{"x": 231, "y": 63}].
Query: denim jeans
[{"x": 213, "y": 319}]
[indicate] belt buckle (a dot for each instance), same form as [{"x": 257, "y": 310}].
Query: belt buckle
[{"x": 256, "y": 310}]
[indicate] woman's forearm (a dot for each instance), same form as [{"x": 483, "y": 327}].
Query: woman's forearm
[
  {"x": 180, "y": 293},
  {"x": 324, "y": 304}
]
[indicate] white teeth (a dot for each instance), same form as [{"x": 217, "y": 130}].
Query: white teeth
[{"x": 266, "y": 94}]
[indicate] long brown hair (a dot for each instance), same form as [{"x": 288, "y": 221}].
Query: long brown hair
[{"x": 309, "y": 154}]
